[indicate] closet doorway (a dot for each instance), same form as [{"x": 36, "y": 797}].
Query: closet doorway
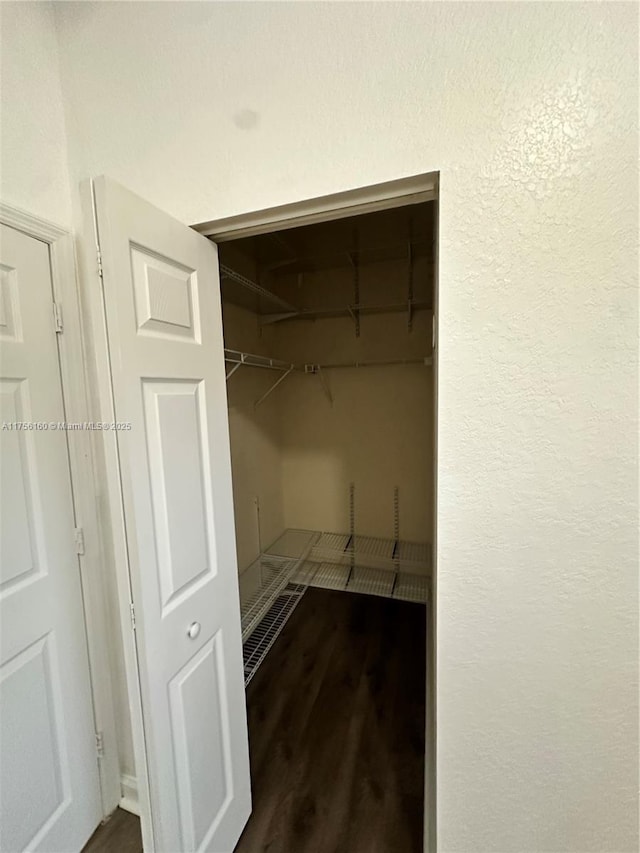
[
  {"x": 329, "y": 331},
  {"x": 328, "y": 317}
]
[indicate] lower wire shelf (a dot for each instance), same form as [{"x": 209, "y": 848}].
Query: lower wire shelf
[
  {"x": 302, "y": 558},
  {"x": 268, "y": 629}
]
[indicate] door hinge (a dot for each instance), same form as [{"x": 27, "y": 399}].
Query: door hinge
[
  {"x": 79, "y": 539},
  {"x": 100, "y": 744},
  {"x": 99, "y": 258},
  {"x": 57, "y": 317},
  {"x": 132, "y": 611}
]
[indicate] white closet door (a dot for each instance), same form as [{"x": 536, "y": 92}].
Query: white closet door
[
  {"x": 164, "y": 324},
  {"x": 49, "y": 786}
]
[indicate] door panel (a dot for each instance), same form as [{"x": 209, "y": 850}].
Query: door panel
[
  {"x": 49, "y": 788},
  {"x": 164, "y": 327},
  {"x": 21, "y": 556},
  {"x": 198, "y": 686},
  {"x": 181, "y": 498}
]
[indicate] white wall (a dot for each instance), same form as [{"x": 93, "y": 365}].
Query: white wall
[
  {"x": 529, "y": 111},
  {"x": 33, "y": 148}
]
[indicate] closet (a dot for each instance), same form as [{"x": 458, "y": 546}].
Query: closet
[
  {"x": 280, "y": 384},
  {"x": 328, "y": 351}
]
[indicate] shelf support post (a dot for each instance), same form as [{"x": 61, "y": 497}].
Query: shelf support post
[
  {"x": 396, "y": 533},
  {"x": 233, "y": 370},
  {"x": 352, "y": 532},
  {"x": 273, "y": 387},
  {"x": 325, "y": 386},
  {"x": 410, "y": 291},
  {"x": 355, "y": 311}
]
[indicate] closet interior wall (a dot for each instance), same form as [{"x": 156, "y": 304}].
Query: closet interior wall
[
  {"x": 255, "y": 437},
  {"x": 377, "y": 431},
  {"x": 300, "y": 450}
]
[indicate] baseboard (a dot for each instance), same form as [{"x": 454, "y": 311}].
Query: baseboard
[{"x": 129, "y": 800}]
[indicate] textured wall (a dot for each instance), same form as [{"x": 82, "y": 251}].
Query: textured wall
[
  {"x": 529, "y": 111},
  {"x": 33, "y": 149}
]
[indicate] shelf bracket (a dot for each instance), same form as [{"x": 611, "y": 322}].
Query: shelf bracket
[
  {"x": 355, "y": 312},
  {"x": 233, "y": 369},
  {"x": 316, "y": 370},
  {"x": 325, "y": 386},
  {"x": 273, "y": 387},
  {"x": 268, "y": 319}
]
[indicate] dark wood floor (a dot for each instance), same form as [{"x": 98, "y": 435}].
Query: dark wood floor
[
  {"x": 336, "y": 731},
  {"x": 120, "y": 833}
]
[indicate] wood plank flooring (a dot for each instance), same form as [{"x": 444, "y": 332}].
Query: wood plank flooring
[
  {"x": 120, "y": 833},
  {"x": 336, "y": 732}
]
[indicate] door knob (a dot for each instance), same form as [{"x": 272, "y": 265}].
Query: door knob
[{"x": 194, "y": 630}]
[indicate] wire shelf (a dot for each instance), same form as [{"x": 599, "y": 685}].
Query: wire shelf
[
  {"x": 255, "y": 649},
  {"x": 363, "y": 579},
  {"x": 274, "y": 575},
  {"x": 323, "y": 575},
  {"x": 371, "y": 582},
  {"x": 293, "y": 543},
  {"x": 333, "y": 547},
  {"x": 411, "y": 587},
  {"x": 240, "y": 290},
  {"x": 306, "y": 572},
  {"x": 415, "y": 555},
  {"x": 373, "y": 552},
  {"x": 299, "y": 559},
  {"x": 275, "y": 568}
]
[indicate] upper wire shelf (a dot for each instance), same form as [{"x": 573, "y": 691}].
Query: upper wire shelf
[
  {"x": 249, "y": 294},
  {"x": 272, "y": 308}
]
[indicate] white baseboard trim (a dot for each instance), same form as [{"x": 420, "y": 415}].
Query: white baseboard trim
[{"x": 129, "y": 800}]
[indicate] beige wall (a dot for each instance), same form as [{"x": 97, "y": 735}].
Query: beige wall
[
  {"x": 378, "y": 433},
  {"x": 256, "y": 452}
]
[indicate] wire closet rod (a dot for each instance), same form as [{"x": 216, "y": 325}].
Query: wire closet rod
[
  {"x": 368, "y": 363},
  {"x": 238, "y": 358},
  {"x": 252, "y": 360}
]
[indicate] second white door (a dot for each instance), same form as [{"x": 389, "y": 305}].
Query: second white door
[{"x": 49, "y": 786}]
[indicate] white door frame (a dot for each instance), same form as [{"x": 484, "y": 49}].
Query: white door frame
[
  {"x": 384, "y": 196},
  {"x": 83, "y": 485},
  {"x": 398, "y": 193},
  {"x": 112, "y": 509}
]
